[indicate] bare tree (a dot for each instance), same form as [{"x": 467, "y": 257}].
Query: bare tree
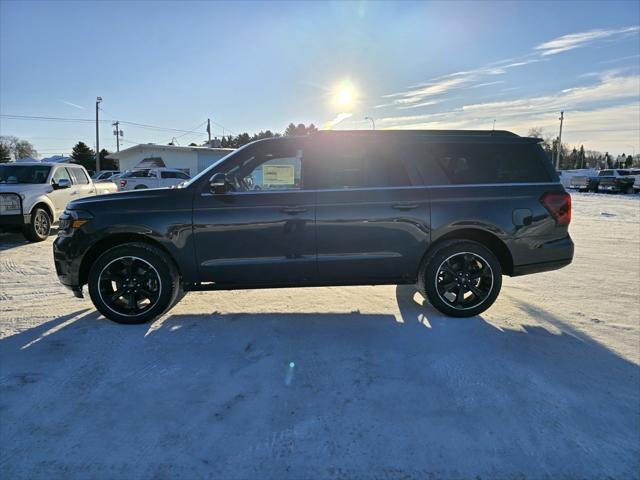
[{"x": 17, "y": 148}]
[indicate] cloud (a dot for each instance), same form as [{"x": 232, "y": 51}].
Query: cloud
[
  {"x": 577, "y": 40},
  {"x": 423, "y": 94},
  {"x": 74, "y": 105},
  {"x": 588, "y": 120},
  {"x": 339, "y": 118}
]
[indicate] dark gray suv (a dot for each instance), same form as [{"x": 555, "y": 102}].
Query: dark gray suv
[{"x": 450, "y": 211}]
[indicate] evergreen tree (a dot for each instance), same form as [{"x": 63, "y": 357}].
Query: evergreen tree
[
  {"x": 629, "y": 162},
  {"x": 581, "y": 157},
  {"x": 107, "y": 163},
  {"x": 83, "y": 155}
]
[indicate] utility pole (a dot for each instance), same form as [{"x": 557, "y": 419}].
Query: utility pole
[
  {"x": 118, "y": 133},
  {"x": 559, "y": 145},
  {"x": 98, "y": 100}
]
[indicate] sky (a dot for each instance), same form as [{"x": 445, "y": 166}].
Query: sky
[{"x": 251, "y": 66}]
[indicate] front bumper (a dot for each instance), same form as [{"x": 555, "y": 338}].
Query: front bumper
[
  {"x": 67, "y": 257},
  {"x": 14, "y": 222}
]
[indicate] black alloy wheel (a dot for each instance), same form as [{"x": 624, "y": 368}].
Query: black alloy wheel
[
  {"x": 461, "y": 278},
  {"x": 134, "y": 283},
  {"x": 464, "y": 280},
  {"x": 129, "y": 286}
]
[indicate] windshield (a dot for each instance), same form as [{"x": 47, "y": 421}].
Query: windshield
[
  {"x": 24, "y": 173},
  {"x": 207, "y": 170},
  {"x": 605, "y": 173}
]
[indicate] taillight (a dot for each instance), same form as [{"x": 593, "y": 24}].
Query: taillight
[
  {"x": 122, "y": 183},
  {"x": 559, "y": 206}
]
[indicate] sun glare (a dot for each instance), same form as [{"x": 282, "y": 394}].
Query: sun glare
[{"x": 345, "y": 95}]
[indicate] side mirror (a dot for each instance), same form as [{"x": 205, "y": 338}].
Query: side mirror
[
  {"x": 62, "y": 183},
  {"x": 219, "y": 184}
]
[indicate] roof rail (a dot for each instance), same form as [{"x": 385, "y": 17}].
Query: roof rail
[{"x": 465, "y": 133}]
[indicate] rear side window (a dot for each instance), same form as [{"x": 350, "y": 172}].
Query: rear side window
[
  {"x": 357, "y": 163},
  {"x": 475, "y": 163},
  {"x": 169, "y": 175},
  {"x": 79, "y": 177}
]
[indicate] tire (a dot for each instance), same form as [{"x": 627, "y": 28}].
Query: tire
[
  {"x": 140, "y": 187},
  {"x": 458, "y": 265},
  {"x": 39, "y": 227},
  {"x": 134, "y": 283}
]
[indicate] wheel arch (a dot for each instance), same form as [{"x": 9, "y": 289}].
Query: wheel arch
[
  {"x": 115, "y": 240},
  {"x": 46, "y": 207},
  {"x": 487, "y": 239}
]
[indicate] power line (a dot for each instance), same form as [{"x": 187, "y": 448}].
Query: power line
[{"x": 92, "y": 120}]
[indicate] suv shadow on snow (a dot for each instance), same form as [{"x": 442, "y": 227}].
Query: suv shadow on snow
[{"x": 332, "y": 395}]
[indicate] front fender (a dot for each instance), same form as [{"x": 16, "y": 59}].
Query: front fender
[{"x": 30, "y": 201}]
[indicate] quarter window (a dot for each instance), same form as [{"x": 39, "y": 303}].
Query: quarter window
[{"x": 469, "y": 163}]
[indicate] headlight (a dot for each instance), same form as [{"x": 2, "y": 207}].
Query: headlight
[
  {"x": 10, "y": 204},
  {"x": 71, "y": 220}
]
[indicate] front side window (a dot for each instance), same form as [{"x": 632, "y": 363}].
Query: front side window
[
  {"x": 269, "y": 166},
  {"x": 60, "y": 174},
  {"x": 168, "y": 174}
]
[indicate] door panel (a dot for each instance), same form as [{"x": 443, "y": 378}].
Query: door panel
[
  {"x": 371, "y": 234},
  {"x": 254, "y": 238},
  {"x": 61, "y": 197}
]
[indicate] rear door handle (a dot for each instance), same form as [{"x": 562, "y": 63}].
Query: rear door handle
[
  {"x": 404, "y": 206},
  {"x": 293, "y": 210}
]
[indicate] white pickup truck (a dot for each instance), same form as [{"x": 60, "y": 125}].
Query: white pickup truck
[
  {"x": 34, "y": 194},
  {"x": 151, "y": 178}
]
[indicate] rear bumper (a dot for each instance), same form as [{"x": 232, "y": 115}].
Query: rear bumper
[
  {"x": 14, "y": 222},
  {"x": 540, "y": 267},
  {"x": 550, "y": 255}
]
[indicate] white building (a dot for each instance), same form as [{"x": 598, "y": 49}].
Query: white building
[{"x": 191, "y": 160}]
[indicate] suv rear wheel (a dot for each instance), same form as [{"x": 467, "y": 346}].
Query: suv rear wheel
[
  {"x": 134, "y": 283},
  {"x": 461, "y": 278},
  {"x": 39, "y": 227}
]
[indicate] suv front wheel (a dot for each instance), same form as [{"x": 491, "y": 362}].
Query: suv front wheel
[
  {"x": 40, "y": 226},
  {"x": 461, "y": 278},
  {"x": 134, "y": 283}
]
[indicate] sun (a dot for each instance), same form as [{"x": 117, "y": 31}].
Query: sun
[{"x": 345, "y": 95}]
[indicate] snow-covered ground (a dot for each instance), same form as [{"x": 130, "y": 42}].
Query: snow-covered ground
[{"x": 360, "y": 382}]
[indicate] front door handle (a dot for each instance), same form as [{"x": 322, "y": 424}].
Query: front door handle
[
  {"x": 404, "y": 206},
  {"x": 293, "y": 210}
]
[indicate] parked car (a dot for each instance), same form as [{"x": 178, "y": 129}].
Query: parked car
[
  {"x": 635, "y": 173},
  {"x": 450, "y": 211},
  {"x": 104, "y": 175},
  {"x": 616, "y": 181},
  {"x": 151, "y": 178},
  {"x": 567, "y": 176},
  {"x": 33, "y": 195}
]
